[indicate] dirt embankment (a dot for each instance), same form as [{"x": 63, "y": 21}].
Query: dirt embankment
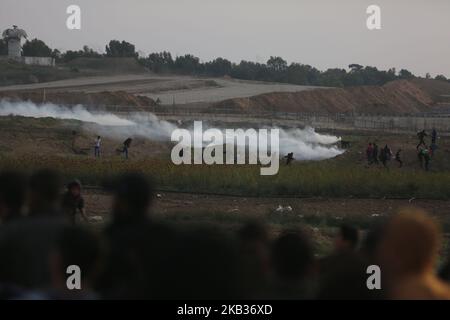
[
  {"x": 120, "y": 98},
  {"x": 396, "y": 97}
]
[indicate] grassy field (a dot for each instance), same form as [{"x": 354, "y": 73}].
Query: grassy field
[{"x": 305, "y": 179}]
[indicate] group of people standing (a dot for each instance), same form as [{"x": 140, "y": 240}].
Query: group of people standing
[
  {"x": 425, "y": 153},
  {"x": 375, "y": 155}
]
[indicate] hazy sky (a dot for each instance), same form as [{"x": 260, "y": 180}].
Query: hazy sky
[{"x": 415, "y": 34}]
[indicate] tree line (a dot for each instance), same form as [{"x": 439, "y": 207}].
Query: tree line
[{"x": 276, "y": 69}]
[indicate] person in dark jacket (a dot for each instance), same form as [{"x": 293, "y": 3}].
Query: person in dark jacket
[
  {"x": 398, "y": 158},
  {"x": 375, "y": 153},
  {"x": 421, "y": 135},
  {"x": 126, "y": 146},
  {"x": 73, "y": 202},
  {"x": 289, "y": 158}
]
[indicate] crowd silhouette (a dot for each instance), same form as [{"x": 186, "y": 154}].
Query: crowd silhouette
[{"x": 134, "y": 256}]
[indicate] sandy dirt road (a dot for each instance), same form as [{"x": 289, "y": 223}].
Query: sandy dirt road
[{"x": 169, "y": 89}]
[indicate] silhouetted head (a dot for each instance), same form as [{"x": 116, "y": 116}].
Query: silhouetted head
[
  {"x": 292, "y": 256},
  {"x": 347, "y": 238},
  {"x": 371, "y": 241},
  {"x": 410, "y": 244},
  {"x": 253, "y": 232},
  {"x": 74, "y": 187},
  {"x": 12, "y": 195},
  {"x": 346, "y": 279},
  {"x": 132, "y": 196},
  {"x": 204, "y": 264},
  {"x": 44, "y": 192}
]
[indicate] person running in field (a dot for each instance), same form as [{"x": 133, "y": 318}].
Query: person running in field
[
  {"x": 398, "y": 158},
  {"x": 424, "y": 158},
  {"x": 73, "y": 202},
  {"x": 433, "y": 149},
  {"x": 98, "y": 142},
  {"x": 385, "y": 155},
  {"x": 126, "y": 146},
  {"x": 420, "y": 157},
  {"x": 289, "y": 158},
  {"x": 421, "y": 135},
  {"x": 433, "y": 136},
  {"x": 369, "y": 154},
  {"x": 375, "y": 153}
]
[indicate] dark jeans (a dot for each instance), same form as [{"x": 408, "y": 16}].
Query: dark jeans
[
  {"x": 125, "y": 152},
  {"x": 96, "y": 152}
]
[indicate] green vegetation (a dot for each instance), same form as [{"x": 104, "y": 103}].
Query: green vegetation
[
  {"x": 313, "y": 179},
  {"x": 275, "y": 70},
  {"x": 117, "y": 49},
  {"x": 12, "y": 73},
  {"x": 36, "y": 48}
]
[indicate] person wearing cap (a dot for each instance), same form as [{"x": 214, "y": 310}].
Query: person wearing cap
[{"x": 73, "y": 201}]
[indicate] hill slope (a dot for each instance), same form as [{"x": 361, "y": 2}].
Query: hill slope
[{"x": 395, "y": 97}]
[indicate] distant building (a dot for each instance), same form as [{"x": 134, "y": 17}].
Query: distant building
[{"x": 13, "y": 38}]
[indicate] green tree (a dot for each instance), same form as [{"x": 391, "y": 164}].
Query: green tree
[
  {"x": 159, "y": 62},
  {"x": 116, "y": 48},
  {"x": 355, "y": 67},
  {"x": 277, "y": 64},
  {"x": 36, "y": 48},
  {"x": 440, "y": 77},
  {"x": 188, "y": 64},
  {"x": 218, "y": 67},
  {"x": 405, "y": 74}
]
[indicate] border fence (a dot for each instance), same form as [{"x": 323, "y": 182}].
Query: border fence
[{"x": 438, "y": 119}]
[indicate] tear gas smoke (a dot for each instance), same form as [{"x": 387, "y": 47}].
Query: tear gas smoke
[{"x": 306, "y": 144}]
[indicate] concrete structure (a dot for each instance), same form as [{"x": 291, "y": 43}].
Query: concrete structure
[
  {"x": 38, "y": 61},
  {"x": 13, "y": 38}
]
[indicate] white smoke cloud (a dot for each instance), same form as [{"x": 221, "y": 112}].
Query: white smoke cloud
[
  {"x": 29, "y": 109},
  {"x": 306, "y": 144}
]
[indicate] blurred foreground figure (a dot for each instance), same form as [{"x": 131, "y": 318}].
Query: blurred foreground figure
[
  {"x": 44, "y": 194},
  {"x": 132, "y": 196},
  {"x": 343, "y": 273},
  {"x": 292, "y": 262},
  {"x": 254, "y": 246},
  {"x": 12, "y": 196},
  {"x": 25, "y": 244},
  {"x": 347, "y": 239},
  {"x": 74, "y": 247},
  {"x": 132, "y": 240},
  {"x": 408, "y": 253}
]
